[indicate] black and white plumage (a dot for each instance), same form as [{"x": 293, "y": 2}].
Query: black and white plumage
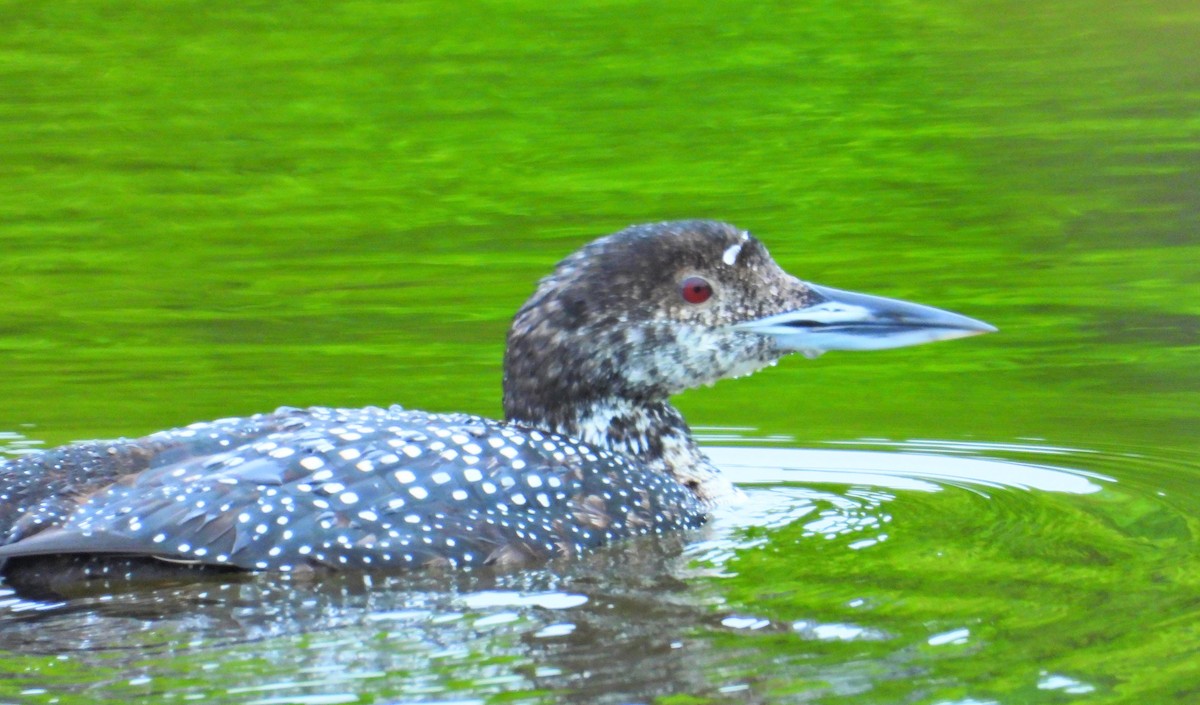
[{"x": 592, "y": 450}]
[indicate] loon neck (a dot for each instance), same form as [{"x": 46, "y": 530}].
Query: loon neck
[{"x": 653, "y": 433}]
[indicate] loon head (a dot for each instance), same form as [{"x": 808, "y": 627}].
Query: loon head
[{"x": 637, "y": 316}]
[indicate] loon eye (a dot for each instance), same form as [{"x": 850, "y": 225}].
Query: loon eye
[{"x": 695, "y": 290}]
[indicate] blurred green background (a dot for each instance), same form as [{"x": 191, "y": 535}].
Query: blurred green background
[{"x": 215, "y": 208}]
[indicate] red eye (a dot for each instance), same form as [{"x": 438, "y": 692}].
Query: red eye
[{"x": 695, "y": 290}]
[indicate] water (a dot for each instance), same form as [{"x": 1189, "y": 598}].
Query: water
[{"x": 215, "y": 209}]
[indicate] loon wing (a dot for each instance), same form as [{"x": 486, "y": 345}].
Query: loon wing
[
  {"x": 41, "y": 490},
  {"x": 58, "y": 541},
  {"x": 375, "y": 488}
]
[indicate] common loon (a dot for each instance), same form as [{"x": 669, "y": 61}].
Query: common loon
[{"x": 591, "y": 450}]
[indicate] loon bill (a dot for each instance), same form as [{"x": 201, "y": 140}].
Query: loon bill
[
  {"x": 590, "y": 451},
  {"x": 846, "y": 320}
]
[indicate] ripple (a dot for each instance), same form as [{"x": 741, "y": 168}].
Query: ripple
[
  {"x": 901, "y": 549},
  {"x": 852, "y": 494},
  {"x": 14, "y": 444},
  {"x": 898, "y": 470},
  {"x": 838, "y": 493}
]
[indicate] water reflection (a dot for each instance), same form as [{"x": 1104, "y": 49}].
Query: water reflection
[
  {"x": 647, "y": 617},
  {"x": 906, "y": 470}
]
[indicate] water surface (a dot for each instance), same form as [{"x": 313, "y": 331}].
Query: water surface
[{"x": 212, "y": 209}]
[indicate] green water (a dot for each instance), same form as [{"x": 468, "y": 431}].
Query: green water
[{"x": 213, "y": 208}]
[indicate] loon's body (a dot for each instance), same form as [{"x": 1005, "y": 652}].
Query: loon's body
[
  {"x": 347, "y": 488},
  {"x": 591, "y": 450}
]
